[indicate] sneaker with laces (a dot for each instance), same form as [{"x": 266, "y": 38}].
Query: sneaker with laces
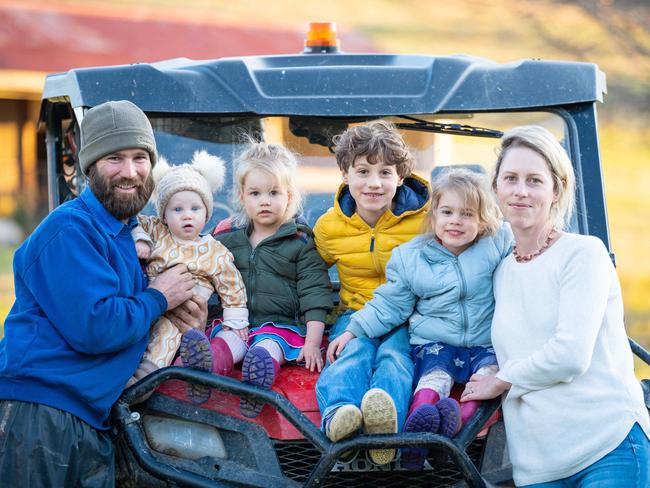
[{"x": 379, "y": 417}]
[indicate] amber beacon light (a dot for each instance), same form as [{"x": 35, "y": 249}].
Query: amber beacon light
[{"x": 321, "y": 38}]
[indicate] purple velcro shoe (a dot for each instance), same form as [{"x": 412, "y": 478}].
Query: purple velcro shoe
[
  {"x": 258, "y": 369},
  {"x": 449, "y": 410},
  {"x": 196, "y": 353},
  {"x": 450, "y": 423},
  {"x": 424, "y": 418}
]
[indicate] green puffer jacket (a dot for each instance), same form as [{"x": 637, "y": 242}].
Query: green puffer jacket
[{"x": 286, "y": 279}]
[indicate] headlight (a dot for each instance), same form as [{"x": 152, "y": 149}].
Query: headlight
[{"x": 184, "y": 439}]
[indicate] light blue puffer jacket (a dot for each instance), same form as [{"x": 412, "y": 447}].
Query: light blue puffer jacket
[{"x": 444, "y": 297}]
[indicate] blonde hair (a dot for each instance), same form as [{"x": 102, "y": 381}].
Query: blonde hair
[
  {"x": 279, "y": 164},
  {"x": 473, "y": 189},
  {"x": 541, "y": 141}
]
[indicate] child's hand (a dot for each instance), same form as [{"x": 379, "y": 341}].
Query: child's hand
[
  {"x": 145, "y": 368},
  {"x": 241, "y": 333},
  {"x": 142, "y": 249},
  {"x": 337, "y": 345},
  {"x": 312, "y": 356}
]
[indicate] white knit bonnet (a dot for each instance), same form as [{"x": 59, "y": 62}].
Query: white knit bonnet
[{"x": 203, "y": 175}]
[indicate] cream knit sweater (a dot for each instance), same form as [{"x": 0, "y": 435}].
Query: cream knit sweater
[{"x": 560, "y": 340}]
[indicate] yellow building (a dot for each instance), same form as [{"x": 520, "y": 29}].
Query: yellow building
[{"x": 21, "y": 185}]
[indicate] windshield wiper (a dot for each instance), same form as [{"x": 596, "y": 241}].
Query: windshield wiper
[{"x": 446, "y": 128}]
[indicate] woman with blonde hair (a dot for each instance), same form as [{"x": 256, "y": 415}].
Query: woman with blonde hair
[{"x": 573, "y": 409}]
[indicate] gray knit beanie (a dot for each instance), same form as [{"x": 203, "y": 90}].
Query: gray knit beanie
[{"x": 114, "y": 126}]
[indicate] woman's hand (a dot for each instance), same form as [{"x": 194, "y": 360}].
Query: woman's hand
[
  {"x": 337, "y": 345},
  {"x": 241, "y": 333},
  {"x": 312, "y": 356},
  {"x": 484, "y": 387},
  {"x": 191, "y": 314}
]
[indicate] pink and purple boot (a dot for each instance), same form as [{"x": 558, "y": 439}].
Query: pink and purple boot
[
  {"x": 423, "y": 416},
  {"x": 258, "y": 369},
  {"x": 197, "y": 352},
  {"x": 428, "y": 413}
]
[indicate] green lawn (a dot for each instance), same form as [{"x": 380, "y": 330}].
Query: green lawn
[{"x": 6, "y": 284}]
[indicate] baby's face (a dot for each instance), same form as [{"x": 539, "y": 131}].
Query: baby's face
[{"x": 185, "y": 215}]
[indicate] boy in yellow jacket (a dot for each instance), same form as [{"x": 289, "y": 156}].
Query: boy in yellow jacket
[{"x": 379, "y": 206}]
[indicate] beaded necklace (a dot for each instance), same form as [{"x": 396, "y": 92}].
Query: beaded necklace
[{"x": 524, "y": 258}]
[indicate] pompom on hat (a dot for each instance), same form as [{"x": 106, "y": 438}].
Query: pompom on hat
[{"x": 204, "y": 175}]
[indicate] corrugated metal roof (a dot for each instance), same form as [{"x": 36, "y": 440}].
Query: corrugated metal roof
[{"x": 54, "y": 40}]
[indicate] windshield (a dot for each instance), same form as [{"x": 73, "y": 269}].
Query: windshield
[{"x": 435, "y": 140}]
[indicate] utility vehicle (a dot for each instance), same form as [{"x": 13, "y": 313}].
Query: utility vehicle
[{"x": 451, "y": 110}]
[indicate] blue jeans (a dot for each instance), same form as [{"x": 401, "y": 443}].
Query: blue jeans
[
  {"x": 364, "y": 364},
  {"x": 627, "y": 466}
]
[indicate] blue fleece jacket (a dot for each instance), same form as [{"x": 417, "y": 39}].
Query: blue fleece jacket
[
  {"x": 445, "y": 298},
  {"x": 80, "y": 322}
]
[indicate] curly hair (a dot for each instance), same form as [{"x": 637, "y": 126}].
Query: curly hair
[{"x": 378, "y": 141}]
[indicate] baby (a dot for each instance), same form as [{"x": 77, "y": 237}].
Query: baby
[{"x": 184, "y": 202}]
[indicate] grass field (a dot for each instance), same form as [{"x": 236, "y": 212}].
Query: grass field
[
  {"x": 6, "y": 284},
  {"x": 626, "y": 166}
]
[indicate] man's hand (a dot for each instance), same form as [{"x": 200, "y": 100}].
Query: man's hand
[
  {"x": 192, "y": 314},
  {"x": 337, "y": 345},
  {"x": 312, "y": 356},
  {"x": 143, "y": 250},
  {"x": 176, "y": 284}
]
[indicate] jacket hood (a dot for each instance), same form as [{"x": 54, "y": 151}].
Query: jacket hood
[
  {"x": 298, "y": 223},
  {"x": 412, "y": 194}
]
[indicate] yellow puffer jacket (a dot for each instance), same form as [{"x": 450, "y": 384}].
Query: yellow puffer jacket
[{"x": 361, "y": 252}]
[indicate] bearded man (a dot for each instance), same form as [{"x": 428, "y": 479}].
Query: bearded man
[{"x": 83, "y": 308}]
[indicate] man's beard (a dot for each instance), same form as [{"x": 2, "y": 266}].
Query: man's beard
[{"x": 120, "y": 206}]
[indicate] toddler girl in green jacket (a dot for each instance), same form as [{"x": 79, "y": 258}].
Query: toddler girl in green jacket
[{"x": 287, "y": 284}]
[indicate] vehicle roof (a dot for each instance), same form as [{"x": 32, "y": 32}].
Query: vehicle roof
[{"x": 332, "y": 85}]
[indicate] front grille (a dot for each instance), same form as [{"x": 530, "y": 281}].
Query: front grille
[{"x": 298, "y": 459}]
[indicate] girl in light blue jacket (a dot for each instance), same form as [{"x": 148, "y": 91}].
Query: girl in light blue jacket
[{"x": 441, "y": 283}]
